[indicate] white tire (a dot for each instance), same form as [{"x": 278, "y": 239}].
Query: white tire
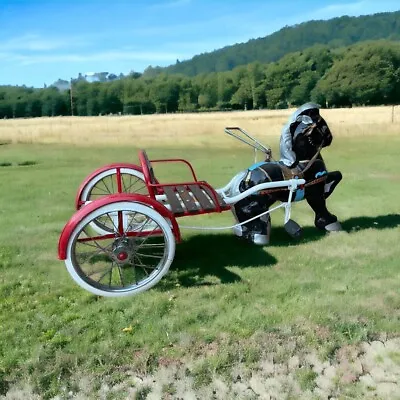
[
  {"x": 105, "y": 185},
  {"x": 120, "y": 256}
]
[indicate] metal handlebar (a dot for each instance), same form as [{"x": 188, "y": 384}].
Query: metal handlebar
[{"x": 253, "y": 142}]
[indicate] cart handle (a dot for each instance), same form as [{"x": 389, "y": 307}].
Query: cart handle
[
  {"x": 253, "y": 142},
  {"x": 181, "y": 160}
]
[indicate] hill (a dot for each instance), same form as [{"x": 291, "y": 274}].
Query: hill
[
  {"x": 366, "y": 73},
  {"x": 335, "y": 33}
]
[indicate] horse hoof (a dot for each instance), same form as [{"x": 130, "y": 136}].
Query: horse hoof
[
  {"x": 293, "y": 229},
  {"x": 253, "y": 238},
  {"x": 260, "y": 240},
  {"x": 239, "y": 231},
  {"x": 334, "y": 227}
]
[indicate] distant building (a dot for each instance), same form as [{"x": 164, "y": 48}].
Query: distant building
[
  {"x": 61, "y": 85},
  {"x": 100, "y": 76},
  {"x": 90, "y": 77}
]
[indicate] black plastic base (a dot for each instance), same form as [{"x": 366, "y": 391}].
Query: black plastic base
[{"x": 293, "y": 229}]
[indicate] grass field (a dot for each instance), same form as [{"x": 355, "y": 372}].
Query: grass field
[{"x": 229, "y": 320}]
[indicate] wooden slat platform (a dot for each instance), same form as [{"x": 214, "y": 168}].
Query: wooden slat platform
[
  {"x": 219, "y": 198},
  {"x": 192, "y": 199},
  {"x": 173, "y": 200},
  {"x": 204, "y": 201},
  {"x": 187, "y": 199}
]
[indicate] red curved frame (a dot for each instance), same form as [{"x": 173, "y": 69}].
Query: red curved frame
[
  {"x": 155, "y": 187},
  {"x": 84, "y": 211},
  {"x": 78, "y": 202}
]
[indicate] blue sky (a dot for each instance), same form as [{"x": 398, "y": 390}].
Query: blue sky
[{"x": 43, "y": 40}]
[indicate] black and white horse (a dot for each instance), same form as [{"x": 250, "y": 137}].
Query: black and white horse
[{"x": 309, "y": 135}]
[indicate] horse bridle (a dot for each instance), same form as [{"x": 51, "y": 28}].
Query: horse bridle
[{"x": 308, "y": 133}]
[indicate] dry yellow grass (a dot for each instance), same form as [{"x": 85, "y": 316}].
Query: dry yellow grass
[{"x": 188, "y": 129}]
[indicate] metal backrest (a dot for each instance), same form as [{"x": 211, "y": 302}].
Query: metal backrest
[{"x": 148, "y": 173}]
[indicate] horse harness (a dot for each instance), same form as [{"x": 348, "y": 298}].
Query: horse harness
[{"x": 288, "y": 174}]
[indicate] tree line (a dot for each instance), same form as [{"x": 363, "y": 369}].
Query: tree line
[
  {"x": 362, "y": 74},
  {"x": 335, "y": 33}
]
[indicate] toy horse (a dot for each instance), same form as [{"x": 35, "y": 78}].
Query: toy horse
[{"x": 308, "y": 133}]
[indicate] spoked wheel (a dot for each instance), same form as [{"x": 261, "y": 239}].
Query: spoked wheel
[
  {"x": 112, "y": 181},
  {"x": 130, "y": 260}
]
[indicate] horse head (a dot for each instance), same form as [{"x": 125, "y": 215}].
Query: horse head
[{"x": 310, "y": 133}]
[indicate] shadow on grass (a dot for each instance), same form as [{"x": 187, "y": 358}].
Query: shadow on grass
[
  {"x": 20, "y": 164},
  {"x": 203, "y": 259},
  {"x": 280, "y": 238},
  {"x": 380, "y": 222}
]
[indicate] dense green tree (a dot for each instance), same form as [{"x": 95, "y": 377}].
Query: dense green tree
[
  {"x": 164, "y": 93},
  {"x": 53, "y": 102},
  {"x": 300, "y": 93},
  {"x": 335, "y": 33},
  {"x": 188, "y": 95},
  {"x": 208, "y": 93},
  {"x": 365, "y": 74},
  {"x": 136, "y": 97}
]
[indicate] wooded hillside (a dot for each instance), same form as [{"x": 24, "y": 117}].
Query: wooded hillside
[
  {"x": 366, "y": 73},
  {"x": 335, "y": 33}
]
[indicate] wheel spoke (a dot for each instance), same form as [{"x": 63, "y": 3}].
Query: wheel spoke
[
  {"x": 146, "y": 238},
  {"x": 123, "y": 184},
  {"x": 140, "y": 264},
  {"x": 130, "y": 261},
  {"x": 150, "y": 255},
  {"x": 142, "y": 267},
  {"x": 97, "y": 272},
  {"x": 131, "y": 185},
  {"x": 111, "y": 269},
  {"x": 100, "y": 190},
  {"x": 94, "y": 244},
  {"x": 112, "y": 183},
  {"x": 120, "y": 275},
  {"x": 108, "y": 271},
  {"x": 131, "y": 182},
  {"x": 112, "y": 222},
  {"x": 130, "y": 223},
  {"x": 103, "y": 181},
  {"x": 106, "y": 249},
  {"x": 89, "y": 255}
]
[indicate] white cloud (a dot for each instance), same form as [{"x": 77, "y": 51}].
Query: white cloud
[
  {"x": 341, "y": 9},
  {"x": 170, "y": 4},
  {"x": 212, "y": 29},
  {"x": 179, "y": 3},
  {"x": 106, "y": 56},
  {"x": 35, "y": 42},
  {"x": 10, "y": 57}
]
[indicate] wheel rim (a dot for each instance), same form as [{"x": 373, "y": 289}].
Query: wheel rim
[
  {"x": 130, "y": 257},
  {"x": 124, "y": 181},
  {"x": 118, "y": 180}
]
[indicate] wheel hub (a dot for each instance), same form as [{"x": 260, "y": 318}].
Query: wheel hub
[
  {"x": 122, "y": 256},
  {"x": 122, "y": 250}
]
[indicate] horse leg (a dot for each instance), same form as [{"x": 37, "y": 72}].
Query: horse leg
[
  {"x": 332, "y": 180},
  {"x": 324, "y": 220},
  {"x": 257, "y": 231}
]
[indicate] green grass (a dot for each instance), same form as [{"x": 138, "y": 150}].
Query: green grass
[
  {"x": 223, "y": 301},
  {"x": 306, "y": 378}
]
